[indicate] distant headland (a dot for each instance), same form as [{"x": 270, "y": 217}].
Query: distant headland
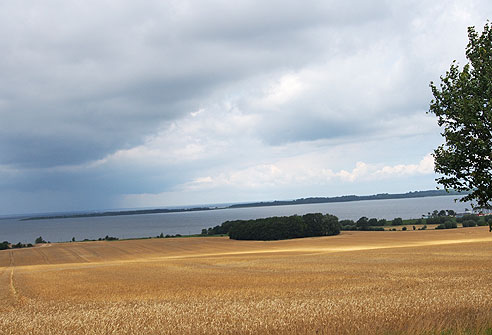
[{"x": 300, "y": 201}]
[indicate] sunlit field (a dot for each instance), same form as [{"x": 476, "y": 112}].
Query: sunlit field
[{"x": 413, "y": 282}]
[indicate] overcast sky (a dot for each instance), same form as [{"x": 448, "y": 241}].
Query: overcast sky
[{"x": 122, "y": 104}]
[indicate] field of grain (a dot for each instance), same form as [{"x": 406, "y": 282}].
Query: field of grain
[{"x": 414, "y": 282}]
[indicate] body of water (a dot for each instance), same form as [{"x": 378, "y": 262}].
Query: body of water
[{"x": 57, "y": 230}]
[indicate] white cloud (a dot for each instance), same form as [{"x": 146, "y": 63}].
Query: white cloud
[
  {"x": 361, "y": 170},
  {"x": 285, "y": 172},
  {"x": 425, "y": 166},
  {"x": 283, "y": 90}
]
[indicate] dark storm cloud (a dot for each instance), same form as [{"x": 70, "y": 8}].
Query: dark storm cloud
[{"x": 82, "y": 80}]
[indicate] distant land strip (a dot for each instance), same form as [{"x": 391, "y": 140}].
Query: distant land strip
[
  {"x": 347, "y": 198},
  {"x": 301, "y": 201}
]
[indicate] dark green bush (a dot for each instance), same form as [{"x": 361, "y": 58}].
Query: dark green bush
[
  {"x": 468, "y": 217},
  {"x": 469, "y": 223},
  {"x": 447, "y": 225}
]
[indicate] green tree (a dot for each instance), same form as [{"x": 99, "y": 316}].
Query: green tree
[
  {"x": 363, "y": 223},
  {"x": 39, "y": 240},
  {"x": 462, "y": 106},
  {"x": 397, "y": 222},
  {"x": 382, "y": 222}
]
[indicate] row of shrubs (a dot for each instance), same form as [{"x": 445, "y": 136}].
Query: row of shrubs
[
  {"x": 274, "y": 228},
  {"x": 374, "y": 224},
  {"x": 105, "y": 238},
  {"x": 354, "y": 227},
  {"x": 7, "y": 245},
  {"x": 278, "y": 227},
  {"x": 167, "y": 235},
  {"x": 468, "y": 220},
  {"x": 443, "y": 222}
]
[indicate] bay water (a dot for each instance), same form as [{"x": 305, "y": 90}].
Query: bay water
[{"x": 146, "y": 225}]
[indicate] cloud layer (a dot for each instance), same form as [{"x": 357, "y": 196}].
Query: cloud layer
[{"x": 110, "y": 104}]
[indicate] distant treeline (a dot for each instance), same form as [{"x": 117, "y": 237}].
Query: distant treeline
[
  {"x": 348, "y": 198},
  {"x": 317, "y": 224},
  {"x": 278, "y": 227},
  {"x": 444, "y": 219}
]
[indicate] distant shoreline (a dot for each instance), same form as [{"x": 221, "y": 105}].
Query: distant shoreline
[{"x": 300, "y": 201}]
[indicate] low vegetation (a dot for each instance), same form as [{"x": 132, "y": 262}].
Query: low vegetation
[{"x": 278, "y": 228}]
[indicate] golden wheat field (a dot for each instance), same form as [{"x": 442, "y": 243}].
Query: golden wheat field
[{"x": 414, "y": 282}]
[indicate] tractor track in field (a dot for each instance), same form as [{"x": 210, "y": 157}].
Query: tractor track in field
[
  {"x": 43, "y": 255},
  {"x": 16, "y": 297},
  {"x": 77, "y": 255},
  {"x": 13, "y": 290}
]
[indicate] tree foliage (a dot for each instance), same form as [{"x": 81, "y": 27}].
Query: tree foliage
[
  {"x": 39, "y": 240},
  {"x": 462, "y": 106},
  {"x": 397, "y": 222},
  {"x": 279, "y": 227}
]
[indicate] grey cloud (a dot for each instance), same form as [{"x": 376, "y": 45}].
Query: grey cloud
[
  {"x": 246, "y": 20},
  {"x": 282, "y": 131},
  {"x": 111, "y": 75}
]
